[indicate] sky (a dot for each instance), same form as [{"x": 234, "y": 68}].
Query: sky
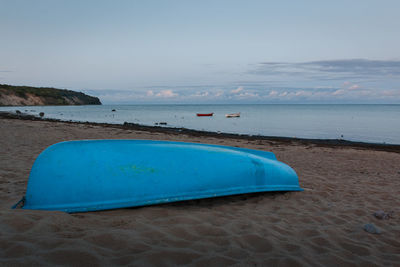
[{"x": 183, "y": 51}]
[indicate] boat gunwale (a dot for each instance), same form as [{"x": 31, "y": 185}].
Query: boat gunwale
[{"x": 108, "y": 205}]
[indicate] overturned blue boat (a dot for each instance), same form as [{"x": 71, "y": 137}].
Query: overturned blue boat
[{"x": 91, "y": 175}]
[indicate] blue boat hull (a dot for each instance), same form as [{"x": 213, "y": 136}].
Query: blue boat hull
[{"x": 80, "y": 176}]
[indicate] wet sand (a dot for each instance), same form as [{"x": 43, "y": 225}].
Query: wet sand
[{"x": 323, "y": 225}]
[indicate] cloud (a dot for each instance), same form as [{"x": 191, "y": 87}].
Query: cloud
[
  {"x": 240, "y": 93},
  {"x": 273, "y": 93},
  {"x": 219, "y": 93},
  {"x": 283, "y": 94},
  {"x": 303, "y": 93},
  {"x": 238, "y": 90},
  {"x": 339, "y": 92},
  {"x": 247, "y": 95},
  {"x": 201, "y": 94},
  {"x": 354, "y": 87},
  {"x": 166, "y": 94},
  {"x": 391, "y": 93},
  {"x": 330, "y": 69},
  {"x": 346, "y": 83},
  {"x": 111, "y": 96},
  {"x": 356, "y": 66},
  {"x": 350, "y": 86}
]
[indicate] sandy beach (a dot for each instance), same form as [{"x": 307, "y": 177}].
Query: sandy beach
[{"x": 323, "y": 225}]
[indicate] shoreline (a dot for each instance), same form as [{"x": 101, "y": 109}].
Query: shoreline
[{"x": 333, "y": 143}]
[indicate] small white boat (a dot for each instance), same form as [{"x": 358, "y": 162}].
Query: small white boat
[{"x": 233, "y": 115}]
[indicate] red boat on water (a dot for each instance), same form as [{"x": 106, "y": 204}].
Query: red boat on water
[{"x": 204, "y": 114}]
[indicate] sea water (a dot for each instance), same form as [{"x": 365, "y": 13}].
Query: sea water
[{"x": 364, "y": 123}]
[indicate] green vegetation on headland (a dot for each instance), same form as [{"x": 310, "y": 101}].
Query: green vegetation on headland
[{"x": 11, "y": 95}]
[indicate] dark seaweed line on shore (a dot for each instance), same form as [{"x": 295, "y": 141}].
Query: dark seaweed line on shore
[{"x": 334, "y": 143}]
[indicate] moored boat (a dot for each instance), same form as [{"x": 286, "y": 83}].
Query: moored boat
[
  {"x": 204, "y": 114},
  {"x": 233, "y": 115},
  {"x": 90, "y": 175}
]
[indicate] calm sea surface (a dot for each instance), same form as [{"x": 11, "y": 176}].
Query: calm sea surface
[{"x": 366, "y": 123}]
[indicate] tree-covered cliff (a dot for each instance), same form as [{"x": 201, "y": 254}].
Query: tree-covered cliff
[{"x": 11, "y": 95}]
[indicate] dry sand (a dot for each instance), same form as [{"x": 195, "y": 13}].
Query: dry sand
[{"x": 321, "y": 226}]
